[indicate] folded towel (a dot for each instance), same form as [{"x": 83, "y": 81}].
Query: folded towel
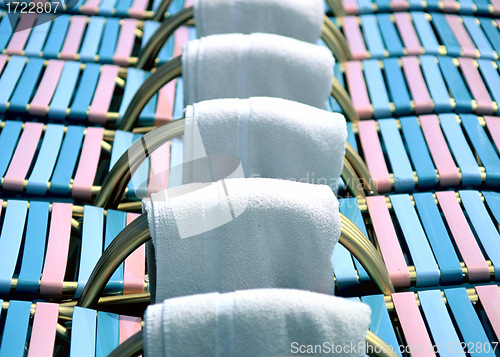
[
  {"x": 292, "y": 18},
  {"x": 256, "y": 65},
  {"x": 271, "y": 137},
  {"x": 264, "y": 323},
  {"x": 241, "y": 234}
]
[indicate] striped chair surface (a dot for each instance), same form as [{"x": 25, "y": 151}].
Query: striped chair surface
[
  {"x": 57, "y": 246},
  {"x": 426, "y": 239},
  {"x": 42, "y": 329}
]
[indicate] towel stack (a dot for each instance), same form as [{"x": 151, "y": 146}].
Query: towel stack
[{"x": 255, "y": 122}]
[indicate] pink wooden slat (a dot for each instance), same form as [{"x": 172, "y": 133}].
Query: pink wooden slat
[
  {"x": 3, "y": 61},
  {"x": 21, "y": 35},
  {"x": 138, "y": 8},
  {"x": 159, "y": 169},
  {"x": 450, "y": 6},
  {"x": 350, "y": 7},
  {"x": 447, "y": 169},
  {"x": 23, "y": 156},
  {"x": 134, "y": 270},
  {"x": 181, "y": 37},
  {"x": 43, "y": 335},
  {"x": 476, "y": 85},
  {"x": 418, "y": 88},
  {"x": 463, "y": 38},
  {"x": 400, "y": 5},
  {"x": 493, "y": 124},
  {"x": 129, "y": 326},
  {"x": 165, "y": 104},
  {"x": 496, "y": 7},
  {"x": 87, "y": 167},
  {"x": 388, "y": 241},
  {"x": 489, "y": 295},
  {"x": 103, "y": 94},
  {"x": 91, "y": 7},
  {"x": 408, "y": 33},
  {"x": 57, "y": 250},
  {"x": 74, "y": 37},
  {"x": 40, "y": 103},
  {"x": 355, "y": 38},
  {"x": 188, "y": 3},
  {"x": 413, "y": 325},
  {"x": 125, "y": 43},
  {"x": 373, "y": 155},
  {"x": 463, "y": 236},
  {"x": 357, "y": 88}
]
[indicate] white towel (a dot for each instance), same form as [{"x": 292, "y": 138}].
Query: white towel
[
  {"x": 271, "y": 137},
  {"x": 300, "y": 19},
  {"x": 240, "y": 234},
  {"x": 263, "y": 323},
  {"x": 256, "y": 65}
]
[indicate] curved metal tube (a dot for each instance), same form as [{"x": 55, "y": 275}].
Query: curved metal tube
[
  {"x": 118, "y": 178},
  {"x": 149, "y": 87},
  {"x": 149, "y": 53},
  {"x": 333, "y": 44},
  {"x": 336, "y": 6},
  {"x": 137, "y": 233},
  {"x": 351, "y": 179},
  {"x": 342, "y": 41},
  {"x": 344, "y": 100},
  {"x": 161, "y": 10},
  {"x": 134, "y": 346},
  {"x": 361, "y": 169}
]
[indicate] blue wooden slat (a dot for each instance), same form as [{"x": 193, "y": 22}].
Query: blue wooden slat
[
  {"x": 139, "y": 183},
  {"x": 491, "y": 78},
  {"x": 456, "y": 85},
  {"x": 483, "y": 147},
  {"x": 467, "y": 320},
  {"x": 107, "y": 333},
  {"x": 471, "y": 175},
  {"x": 83, "y": 333},
  {"x": 109, "y": 39},
  {"x": 446, "y": 35},
  {"x": 24, "y": 90},
  {"x": 66, "y": 163},
  {"x": 122, "y": 7},
  {"x": 436, "y": 85},
  {"x": 90, "y": 43},
  {"x": 484, "y": 227},
  {"x": 439, "y": 322},
  {"x": 491, "y": 32},
  {"x": 46, "y": 160},
  {"x": 135, "y": 77},
  {"x": 449, "y": 265},
  {"x": 56, "y": 37},
  {"x": 106, "y": 7},
  {"x": 372, "y": 36},
  {"x": 115, "y": 222},
  {"x": 376, "y": 88},
  {"x": 85, "y": 91},
  {"x": 397, "y": 87},
  {"x": 403, "y": 172},
  {"x": 425, "y": 33},
  {"x": 10, "y": 241},
  {"x": 390, "y": 35},
  {"x": 479, "y": 38},
  {"x": 9, "y": 79},
  {"x": 466, "y": 6},
  {"x": 6, "y": 25},
  {"x": 38, "y": 36},
  {"x": 92, "y": 243},
  {"x": 381, "y": 323},
  {"x": 420, "y": 250},
  {"x": 15, "y": 332},
  {"x": 419, "y": 153},
  {"x": 8, "y": 142},
  {"x": 34, "y": 248}
]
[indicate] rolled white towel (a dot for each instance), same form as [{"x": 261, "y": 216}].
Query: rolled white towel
[
  {"x": 300, "y": 19},
  {"x": 264, "y": 323},
  {"x": 271, "y": 137},
  {"x": 256, "y": 65},
  {"x": 240, "y": 234}
]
